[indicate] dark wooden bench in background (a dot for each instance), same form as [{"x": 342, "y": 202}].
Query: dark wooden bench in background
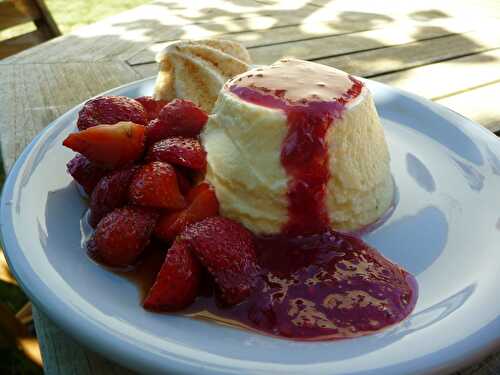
[{"x": 18, "y": 12}]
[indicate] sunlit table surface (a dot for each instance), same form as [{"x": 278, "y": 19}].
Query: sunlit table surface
[{"x": 447, "y": 51}]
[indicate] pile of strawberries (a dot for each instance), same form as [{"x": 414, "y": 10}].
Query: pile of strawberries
[{"x": 141, "y": 163}]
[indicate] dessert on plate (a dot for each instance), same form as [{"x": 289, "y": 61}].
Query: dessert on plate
[
  {"x": 241, "y": 216},
  {"x": 302, "y": 139}
]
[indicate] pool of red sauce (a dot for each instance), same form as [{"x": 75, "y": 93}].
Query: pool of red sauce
[{"x": 326, "y": 286}]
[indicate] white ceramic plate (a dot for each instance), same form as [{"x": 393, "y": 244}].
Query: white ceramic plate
[{"x": 445, "y": 230}]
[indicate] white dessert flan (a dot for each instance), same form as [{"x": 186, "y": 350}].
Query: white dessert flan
[{"x": 298, "y": 147}]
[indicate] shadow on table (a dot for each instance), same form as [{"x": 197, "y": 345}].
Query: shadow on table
[{"x": 128, "y": 38}]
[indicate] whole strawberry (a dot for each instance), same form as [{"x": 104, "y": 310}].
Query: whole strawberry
[
  {"x": 85, "y": 173},
  {"x": 227, "y": 250},
  {"x": 177, "y": 282},
  {"x": 122, "y": 235},
  {"x": 178, "y": 118},
  {"x": 151, "y": 106},
  {"x": 182, "y": 151},
  {"x": 110, "y": 192},
  {"x": 110, "y": 110}
]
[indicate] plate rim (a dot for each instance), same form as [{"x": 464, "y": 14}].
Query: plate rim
[{"x": 89, "y": 332}]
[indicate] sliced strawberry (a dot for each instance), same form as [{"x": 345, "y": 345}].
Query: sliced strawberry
[
  {"x": 183, "y": 181},
  {"x": 168, "y": 226},
  {"x": 110, "y": 192},
  {"x": 86, "y": 173},
  {"x": 203, "y": 192},
  {"x": 177, "y": 282},
  {"x": 151, "y": 106},
  {"x": 202, "y": 203},
  {"x": 178, "y": 118},
  {"x": 110, "y": 110},
  {"x": 122, "y": 235},
  {"x": 109, "y": 146},
  {"x": 186, "y": 152},
  {"x": 227, "y": 250},
  {"x": 154, "y": 131},
  {"x": 155, "y": 185}
]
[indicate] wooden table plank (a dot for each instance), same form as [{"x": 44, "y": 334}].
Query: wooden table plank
[
  {"x": 489, "y": 366},
  {"x": 169, "y": 20},
  {"x": 449, "y": 77},
  {"x": 131, "y": 31},
  {"x": 374, "y": 58},
  {"x": 391, "y": 59},
  {"x": 62, "y": 355},
  {"x": 481, "y": 105},
  {"x": 47, "y": 91},
  {"x": 423, "y": 9},
  {"x": 392, "y": 35},
  {"x": 146, "y": 70}
]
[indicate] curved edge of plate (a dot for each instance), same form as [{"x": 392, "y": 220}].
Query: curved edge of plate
[{"x": 86, "y": 330}]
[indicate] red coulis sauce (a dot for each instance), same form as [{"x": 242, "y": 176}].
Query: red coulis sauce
[
  {"x": 313, "y": 283},
  {"x": 326, "y": 286}
]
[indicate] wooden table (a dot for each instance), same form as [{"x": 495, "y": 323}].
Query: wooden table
[{"x": 447, "y": 51}]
